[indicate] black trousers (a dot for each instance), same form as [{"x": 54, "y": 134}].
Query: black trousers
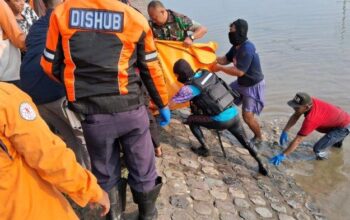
[{"x": 234, "y": 126}]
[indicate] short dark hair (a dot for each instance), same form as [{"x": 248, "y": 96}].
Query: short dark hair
[{"x": 155, "y": 4}]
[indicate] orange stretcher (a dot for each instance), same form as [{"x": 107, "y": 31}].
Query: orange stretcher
[{"x": 199, "y": 56}]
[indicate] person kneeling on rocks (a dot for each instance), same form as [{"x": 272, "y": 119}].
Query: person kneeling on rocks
[
  {"x": 320, "y": 116},
  {"x": 211, "y": 105}
]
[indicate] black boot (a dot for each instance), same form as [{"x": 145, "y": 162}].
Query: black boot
[
  {"x": 115, "y": 213},
  {"x": 338, "y": 144},
  {"x": 203, "y": 150},
  {"x": 122, "y": 191},
  {"x": 146, "y": 201}
]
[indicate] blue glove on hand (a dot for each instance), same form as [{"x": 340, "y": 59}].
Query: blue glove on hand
[
  {"x": 276, "y": 160},
  {"x": 283, "y": 138},
  {"x": 166, "y": 115}
]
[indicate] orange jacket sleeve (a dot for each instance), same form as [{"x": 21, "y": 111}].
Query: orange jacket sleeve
[
  {"x": 10, "y": 27},
  {"x": 42, "y": 150},
  {"x": 150, "y": 70},
  {"x": 53, "y": 57}
]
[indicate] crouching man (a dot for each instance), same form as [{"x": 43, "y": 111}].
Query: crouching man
[
  {"x": 212, "y": 107},
  {"x": 320, "y": 116}
]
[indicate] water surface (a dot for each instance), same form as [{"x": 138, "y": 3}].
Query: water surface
[{"x": 303, "y": 46}]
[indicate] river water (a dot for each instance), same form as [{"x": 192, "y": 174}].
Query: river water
[{"x": 303, "y": 46}]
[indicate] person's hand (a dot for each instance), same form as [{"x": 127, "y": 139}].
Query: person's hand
[
  {"x": 104, "y": 203},
  {"x": 158, "y": 151},
  {"x": 276, "y": 160},
  {"x": 166, "y": 115},
  {"x": 283, "y": 138},
  {"x": 188, "y": 42},
  {"x": 216, "y": 67}
]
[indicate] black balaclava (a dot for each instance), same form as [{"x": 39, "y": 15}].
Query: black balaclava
[
  {"x": 240, "y": 35},
  {"x": 183, "y": 70}
]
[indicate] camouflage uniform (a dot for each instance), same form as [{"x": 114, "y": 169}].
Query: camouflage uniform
[{"x": 175, "y": 28}]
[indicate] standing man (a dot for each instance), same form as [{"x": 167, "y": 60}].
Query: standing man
[
  {"x": 94, "y": 47},
  {"x": 169, "y": 25},
  {"x": 250, "y": 79},
  {"x": 36, "y": 167},
  {"x": 320, "y": 116}
]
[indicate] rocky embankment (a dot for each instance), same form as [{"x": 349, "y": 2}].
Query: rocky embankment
[{"x": 215, "y": 187}]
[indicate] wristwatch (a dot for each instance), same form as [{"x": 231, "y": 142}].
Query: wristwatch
[{"x": 191, "y": 37}]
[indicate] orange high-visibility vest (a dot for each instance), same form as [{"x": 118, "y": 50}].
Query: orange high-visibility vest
[{"x": 94, "y": 47}]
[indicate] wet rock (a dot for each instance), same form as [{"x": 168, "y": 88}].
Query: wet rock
[
  {"x": 170, "y": 158},
  {"x": 178, "y": 186},
  {"x": 203, "y": 208},
  {"x": 218, "y": 193},
  {"x": 231, "y": 181},
  {"x": 264, "y": 212},
  {"x": 294, "y": 204},
  {"x": 183, "y": 140},
  {"x": 236, "y": 160},
  {"x": 264, "y": 186},
  {"x": 205, "y": 162},
  {"x": 210, "y": 171},
  {"x": 173, "y": 174},
  {"x": 213, "y": 182},
  {"x": 301, "y": 216},
  {"x": 249, "y": 160},
  {"x": 227, "y": 145},
  {"x": 200, "y": 195},
  {"x": 236, "y": 193},
  {"x": 271, "y": 197},
  {"x": 285, "y": 217},
  {"x": 257, "y": 200},
  {"x": 228, "y": 216},
  {"x": 242, "y": 151},
  {"x": 312, "y": 207},
  {"x": 179, "y": 201},
  {"x": 278, "y": 208},
  {"x": 318, "y": 217},
  {"x": 221, "y": 160},
  {"x": 197, "y": 184},
  {"x": 247, "y": 215},
  {"x": 241, "y": 203},
  {"x": 225, "y": 206},
  {"x": 180, "y": 215},
  {"x": 190, "y": 163},
  {"x": 186, "y": 154}
]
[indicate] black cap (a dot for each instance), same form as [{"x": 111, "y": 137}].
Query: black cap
[{"x": 300, "y": 99}]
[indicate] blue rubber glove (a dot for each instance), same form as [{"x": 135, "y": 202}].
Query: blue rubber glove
[
  {"x": 276, "y": 160},
  {"x": 165, "y": 115},
  {"x": 283, "y": 138}
]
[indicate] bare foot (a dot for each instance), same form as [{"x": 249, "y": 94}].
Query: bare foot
[{"x": 158, "y": 151}]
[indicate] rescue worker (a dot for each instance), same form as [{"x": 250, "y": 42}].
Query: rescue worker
[
  {"x": 94, "y": 47},
  {"x": 320, "y": 116},
  {"x": 12, "y": 39},
  {"x": 212, "y": 105},
  {"x": 153, "y": 126},
  {"x": 250, "y": 81},
  {"x": 36, "y": 166},
  {"x": 169, "y": 25}
]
